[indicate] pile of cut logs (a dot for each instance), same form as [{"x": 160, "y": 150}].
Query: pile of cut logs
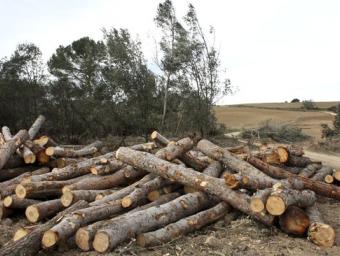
[{"x": 154, "y": 192}]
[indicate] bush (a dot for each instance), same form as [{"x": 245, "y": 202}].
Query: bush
[
  {"x": 309, "y": 105},
  {"x": 277, "y": 132},
  {"x": 295, "y": 100}
]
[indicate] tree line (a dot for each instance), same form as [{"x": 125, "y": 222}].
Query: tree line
[{"x": 95, "y": 88}]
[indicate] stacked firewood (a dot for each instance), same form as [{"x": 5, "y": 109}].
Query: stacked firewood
[{"x": 153, "y": 192}]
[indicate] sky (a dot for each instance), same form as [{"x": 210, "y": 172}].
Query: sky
[{"x": 272, "y": 50}]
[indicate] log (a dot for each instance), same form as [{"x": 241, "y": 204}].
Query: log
[
  {"x": 147, "y": 147},
  {"x": 97, "y": 144},
  {"x": 70, "y": 197},
  {"x": 214, "y": 169},
  {"x": 336, "y": 175},
  {"x": 6, "y": 174},
  {"x": 121, "y": 177},
  {"x": 2, "y": 139},
  {"x": 103, "y": 193},
  {"x": 45, "y": 141},
  {"x": 30, "y": 244},
  {"x": 22, "y": 231},
  {"x": 85, "y": 235},
  {"x": 72, "y": 171},
  {"x": 186, "y": 176},
  {"x": 112, "y": 166},
  {"x": 233, "y": 163},
  {"x": 297, "y": 182},
  {"x": 119, "y": 229},
  {"x": 7, "y": 190},
  {"x": 33, "y": 131},
  {"x": 300, "y": 161},
  {"x": 309, "y": 170},
  {"x": 123, "y": 192},
  {"x": 9, "y": 148},
  {"x": 4, "y": 211},
  {"x": 7, "y": 135},
  {"x": 236, "y": 181},
  {"x": 259, "y": 199},
  {"x": 18, "y": 203},
  {"x": 280, "y": 199},
  {"x": 294, "y": 221},
  {"x": 65, "y": 161},
  {"x": 25, "y": 175},
  {"x": 42, "y": 210},
  {"x": 183, "y": 226},
  {"x": 159, "y": 138},
  {"x": 175, "y": 149},
  {"x": 14, "y": 161},
  {"x": 322, "y": 173},
  {"x": 144, "y": 190},
  {"x": 42, "y": 157},
  {"x": 319, "y": 232},
  {"x": 63, "y": 152}
]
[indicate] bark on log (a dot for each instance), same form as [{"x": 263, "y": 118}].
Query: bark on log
[
  {"x": 280, "y": 199},
  {"x": 300, "y": 161},
  {"x": 2, "y": 139},
  {"x": 309, "y": 170},
  {"x": 294, "y": 221},
  {"x": 214, "y": 169},
  {"x": 297, "y": 182},
  {"x": 7, "y": 190},
  {"x": 259, "y": 199},
  {"x": 63, "y": 152},
  {"x": 236, "y": 181},
  {"x": 18, "y": 203},
  {"x": 22, "y": 177},
  {"x": 183, "y": 226},
  {"x": 123, "y": 192},
  {"x": 33, "y": 131},
  {"x": 4, "y": 211},
  {"x": 322, "y": 173},
  {"x": 30, "y": 244},
  {"x": 39, "y": 211},
  {"x": 186, "y": 176},
  {"x": 121, "y": 177},
  {"x": 6, "y": 133},
  {"x": 319, "y": 232},
  {"x": 175, "y": 149},
  {"x": 147, "y": 147},
  {"x": 159, "y": 138},
  {"x": 119, "y": 229},
  {"x": 112, "y": 166},
  {"x": 65, "y": 161},
  {"x": 85, "y": 235},
  {"x": 7, "y": 174},
  {"x": 9, "y": 148},
  {"x": 336, "y": 175},
  {"x": 45, "y": 141},
  {"x": 230, "y": 161},
  {"x": 97, "y": 144},
  {"x": 72, "y": 171},
  {"x": 70, "y": 197}
]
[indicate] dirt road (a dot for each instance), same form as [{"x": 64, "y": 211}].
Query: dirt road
[{"x": 328, "y": 159}]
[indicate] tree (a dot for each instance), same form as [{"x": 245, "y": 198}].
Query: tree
[
  {"x": 295, "y": 100},
  {"x": 309, "y": 105},
  {"x": 337, "y": 120}
]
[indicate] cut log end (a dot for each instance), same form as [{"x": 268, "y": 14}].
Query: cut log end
[
  {"x": 329, "y": 179},
  {"x": 101, "y": 242},
  {"x": 32, "y": 214},
  {"x": 30, "y": 159},
  {"x": 256, "y": 205},
  {"x": 337, "y": 175},
  {"x": 153, "y": 195},
  {"x": 230, "y": 180},
  {"x": 126, "y": 202},
  {"x": 49, "y": 239},
  {"x": 154, "y": 135},
  {"x": 141, "y": 240},
  {"x": 8, "y": 200},
  {"x": 67, "y": 198},
  {"x": 66, "y": 189},
  {"x": 49, "y": 151},
  {"x": 20, "y": 191},
  {"x": 20, "y": 233},
  {"x": 275, "y": 205},
  {"x": 83, "y": 239},
  {"x": 93, "y": 170},
  {"x": 283, "y": 154},
  {"x": 321, "y": 234}
]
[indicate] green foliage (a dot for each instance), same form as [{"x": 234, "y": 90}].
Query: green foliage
[
  {"x": 277, "y": 132},
  {"x": 309, "y": 105},
  {"x": 295, "y": 100},
  {"x": 337, "y": 120}
]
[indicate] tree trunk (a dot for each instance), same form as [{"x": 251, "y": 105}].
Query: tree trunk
[
  {"x": 9, "y": 148},
  {"x": 186, "y": 176},
  {"x": 322, "y": 173},
  {"x": 39, "y": 211},
  {"x": 122, "y": 177},
  {"x": 183, "y": 226},
  {"x": 18, "y": 203},
  {"x": 30, "y": 244},
  {"x": 230, "y": 161},
  {"x": 309, "y": 170},
  {"x": 119, "y": 229},
  {"x": 294, "y": 221},
  {"x": 319, "y": 232},
  {"x": 33, "y": 131},
  {"x": 72, "y": 171},
  {"x": 70, "y": 197},
  {"x": 85, "y": 235},
  {"x": 297, "y": 182},
  {"x": 259, "y": 199},
  {"x": 280, "y": 199}
]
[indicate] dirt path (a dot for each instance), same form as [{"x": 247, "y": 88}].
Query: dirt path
[{"x": 328, "y": 159}]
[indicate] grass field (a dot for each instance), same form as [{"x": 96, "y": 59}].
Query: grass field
[{"x": 252, "y": 115}]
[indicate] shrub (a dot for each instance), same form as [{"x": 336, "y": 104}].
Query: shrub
[
  {"x": 309, "y": 104},
  {"x": 295, "y": 100}
]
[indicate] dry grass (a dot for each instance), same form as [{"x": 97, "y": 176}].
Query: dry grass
[
  {"x": 248, "y": 117},
  {"x": 321, "y": 105}
]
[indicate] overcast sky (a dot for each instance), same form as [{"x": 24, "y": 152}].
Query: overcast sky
[{"x": 273, "y": 50}]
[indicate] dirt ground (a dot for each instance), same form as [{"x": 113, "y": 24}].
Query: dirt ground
[{"x": 247, "y": 117}]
